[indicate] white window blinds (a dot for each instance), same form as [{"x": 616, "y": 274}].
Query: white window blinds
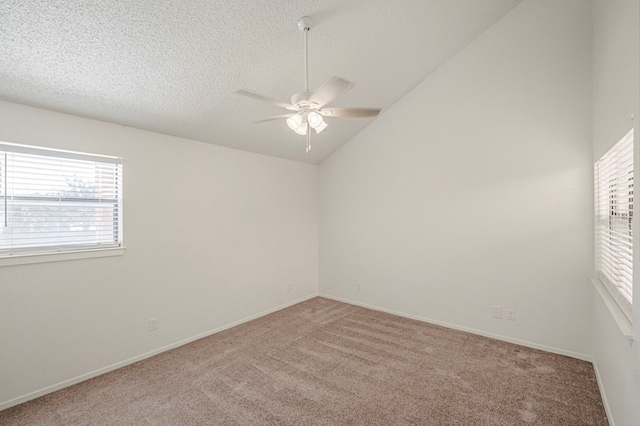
[
  {"x": 57, "y": 201},
  {"x": 614, "y": 217}
]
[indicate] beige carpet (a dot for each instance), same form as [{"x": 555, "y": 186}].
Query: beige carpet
[{"x": 326, "y": 362}]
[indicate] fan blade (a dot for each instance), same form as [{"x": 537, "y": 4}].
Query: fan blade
[
  {"x": 266, "y": 99},
  {"x": 330, "y": 90},
  {"x": 275, "y": 117},
  {"x": 349, "y": 112}
]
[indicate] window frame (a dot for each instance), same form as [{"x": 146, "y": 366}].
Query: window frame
[
  {"x": 68, "y": 251},
  {"x": 608, "y": 287}
]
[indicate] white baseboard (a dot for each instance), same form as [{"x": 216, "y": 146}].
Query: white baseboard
[
  {"x": 81, "y": 378},
  {"x": 603, "y": 394},
  {"x": 545, "y": 348}
]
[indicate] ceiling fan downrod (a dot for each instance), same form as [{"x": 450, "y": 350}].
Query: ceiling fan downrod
[{"x": 304, "y": 24}]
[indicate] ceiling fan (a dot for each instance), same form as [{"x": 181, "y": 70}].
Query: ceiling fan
[{"x": 308, "y": 109}]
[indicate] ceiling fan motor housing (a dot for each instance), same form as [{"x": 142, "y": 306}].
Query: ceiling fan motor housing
[{"x": 302, "y": 100}]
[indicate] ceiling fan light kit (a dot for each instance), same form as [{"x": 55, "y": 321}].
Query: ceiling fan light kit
[
  {"x": 295, "y": 121},
  {"x": 315, "y": 120},
  {"x": 309, "y": 107}
]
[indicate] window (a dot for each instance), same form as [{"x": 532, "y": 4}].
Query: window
[
  {"x": 55, "y": 201},
  {"x": 614, "y": 220}
]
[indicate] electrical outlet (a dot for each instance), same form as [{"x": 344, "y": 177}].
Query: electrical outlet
[
  {"x": 153, "y": 324},
  {"x": 497, "y": 312},
  {"x": 511, "y": 314},
  {"x": 359, "y": 285}
]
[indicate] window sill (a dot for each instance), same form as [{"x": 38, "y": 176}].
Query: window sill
[
  {"x": 625, "y": 326},
  {"x": 60, "y": 257}
]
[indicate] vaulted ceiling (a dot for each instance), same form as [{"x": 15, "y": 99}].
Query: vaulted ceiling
[{"x": 172, "y": 66}]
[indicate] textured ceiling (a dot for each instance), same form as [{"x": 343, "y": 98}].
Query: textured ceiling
[{"x": 172, "y": 66}]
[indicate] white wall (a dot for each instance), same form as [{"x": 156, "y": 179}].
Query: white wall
[
  {"x": 616, "y": 96},
  {"x": 212, "y": 236},
  {"x": 475, "y": 189}
]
